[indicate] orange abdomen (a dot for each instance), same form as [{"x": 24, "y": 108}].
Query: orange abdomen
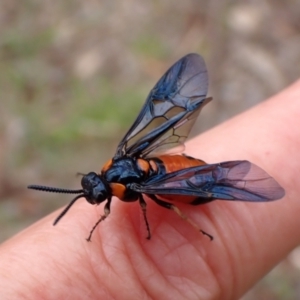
[{"x": 174, "y": 163}]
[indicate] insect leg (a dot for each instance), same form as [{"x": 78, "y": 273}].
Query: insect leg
[
  {"x": 143, "y": 205},
  {"x": 179, "y": 213},
  {"x": 102, "y": 218}
]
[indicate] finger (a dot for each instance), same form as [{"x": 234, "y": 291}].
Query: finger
[{"x": 256, "y": 236}]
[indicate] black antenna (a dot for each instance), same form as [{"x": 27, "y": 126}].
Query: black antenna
[
  {"x": 67, "y": 208},
  {"x": 53, "y": 189},
  {"x": 59, "y": 190}
]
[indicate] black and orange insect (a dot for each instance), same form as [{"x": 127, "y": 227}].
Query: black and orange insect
[{"x": 139, "y": 168}]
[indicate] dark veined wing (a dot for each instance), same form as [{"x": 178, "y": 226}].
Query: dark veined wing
[
  {"x": 233, "y": 180},
  {"x": 170, "y": 109}
]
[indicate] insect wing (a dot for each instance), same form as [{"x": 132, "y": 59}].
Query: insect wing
[
  {"x": 173, "y": 138},
  {"x": 170, "y": 109},
  {"x": 234, "y": 180}
]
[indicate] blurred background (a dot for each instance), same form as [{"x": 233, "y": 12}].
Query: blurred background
[{"x": 74, "y": 75}]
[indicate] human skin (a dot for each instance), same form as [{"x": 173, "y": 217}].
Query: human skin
[{"x": 46, "y": 262}]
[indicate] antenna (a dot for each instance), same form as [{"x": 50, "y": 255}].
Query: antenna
[
  {"x": 53, "y": 189},
  {"x": 62, "y": 191}
]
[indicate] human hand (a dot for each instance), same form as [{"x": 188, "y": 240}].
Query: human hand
[{"x": 46, "y": 262}]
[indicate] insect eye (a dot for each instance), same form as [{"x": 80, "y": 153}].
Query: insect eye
[{"x": 99, "y": 193}]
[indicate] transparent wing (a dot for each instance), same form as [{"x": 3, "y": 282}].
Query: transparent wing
[
  {"x": 234, "y": 180},
  {"x": 170, "y": 109}
]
